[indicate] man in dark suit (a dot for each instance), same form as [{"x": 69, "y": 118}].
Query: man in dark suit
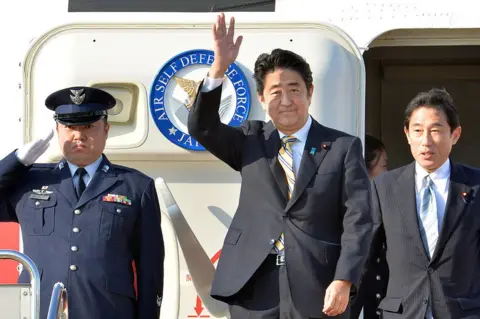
[
  {"x": 84, "y": 220},
  {"x": 428, "y": 213},
  {"x": 300, "y": 236}
]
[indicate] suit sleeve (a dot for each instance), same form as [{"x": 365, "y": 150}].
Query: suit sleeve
[
  {"x": 223, "y": 141},
  {"x": 357, "y": 219},
  {"x": 12, "y": 172},
  {"x": 149, "y": 255}
]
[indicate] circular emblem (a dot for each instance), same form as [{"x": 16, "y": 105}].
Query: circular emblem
[{"x": 174, "y": 90}]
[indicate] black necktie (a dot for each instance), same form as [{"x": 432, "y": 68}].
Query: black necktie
[{"x": 81, "y": 183}]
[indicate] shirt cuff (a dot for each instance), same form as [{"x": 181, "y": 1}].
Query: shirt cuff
[{"x": 209, "y": 84}]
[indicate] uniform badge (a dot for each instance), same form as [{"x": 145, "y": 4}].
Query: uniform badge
[
  {"x": 114, "y": 198},
  {"x": 78, "y": 96},
  {"x": 105, "y": 168},
  {"x": 41, "y": 194},
  {"x": 42, "y": 191}
]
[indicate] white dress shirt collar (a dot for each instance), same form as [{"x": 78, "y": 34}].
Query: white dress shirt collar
[
  {"x": 302, "y": 133},
  {"x": 439, "y": 176}
]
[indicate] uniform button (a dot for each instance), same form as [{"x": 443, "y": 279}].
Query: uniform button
[
  {"x": 76, "y": 229},
  {"x": 77, "y": 211},
  {"x": 73, "y": 267},
  {"x": 74, "y": 248},
  {"x": 378, "y": 296},
  {"x": 378, "y": 312},
  {"x": 37, "y": 203},
  {"x": 119, "y": 210},
  {"x": 378, "y": 260},
  {"x": 425, "y": 301},
  {"x": 272, "y": 241},
  {"x": 378, "y": 277}
]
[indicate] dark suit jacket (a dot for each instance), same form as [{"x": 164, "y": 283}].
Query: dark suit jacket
[
  {"x": 107, "y": 236},
  {"x": 327, "y": 222},
  {"x": 450, "y": 280},
  {"x": 373, "y": 286}
]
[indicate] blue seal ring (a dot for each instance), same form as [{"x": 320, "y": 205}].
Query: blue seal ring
[{"x": 164, "y": 76}]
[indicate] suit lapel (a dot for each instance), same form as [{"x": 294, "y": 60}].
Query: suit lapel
[
  {"x": 64, "y": 182},
  {"x": 407, "y": 200},
  {"x": 103, "y": 179},
  {"x": 272, "y": 146},
  {"x": 316, "y": 147},
  {"x": 455, "y": 206}
]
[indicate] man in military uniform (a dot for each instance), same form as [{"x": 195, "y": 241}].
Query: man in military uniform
[{"x": 84, "y": 220}]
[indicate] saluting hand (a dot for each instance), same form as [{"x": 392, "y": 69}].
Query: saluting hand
[
  {"x": 225, "y": 48},
  {"x": 336, "y": 298},
  {"x": 29, "y": 153}
]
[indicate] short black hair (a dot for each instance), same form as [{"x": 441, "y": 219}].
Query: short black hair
[
  {"x": 373, "y": 148},
  {"x": 438, "y": 99},
  {"x": 284, "y": 59}
]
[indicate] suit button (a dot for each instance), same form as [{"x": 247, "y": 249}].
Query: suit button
[
  {"x": 77, "y": 211},
  {"x": 378, "y": 313},
  {"x": 425, "y": 301},
  {"x": 37, "y": 203},
  {"x": 378, "y": 260},
  {"x": 73, "y": 267},
  {"x": 430, "y": 270},
  {"x": 378, "y": 296},
  {"x": 76, "y": 229},
  {"x": 378, "y": 277},
  {"x": 74, "y": 248},
  {"x": 272, "y": 241}
]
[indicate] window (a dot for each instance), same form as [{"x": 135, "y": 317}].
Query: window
[{"x": 171, "y": 5}]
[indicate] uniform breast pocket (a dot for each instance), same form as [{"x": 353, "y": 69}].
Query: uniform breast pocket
[
  {"x": 39, "y": 219},
  {"x": 117, "y": 221}
]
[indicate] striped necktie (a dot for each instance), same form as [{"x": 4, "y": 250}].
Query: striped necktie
[
  {"x": 285, "y": 157},
  {"x": 428, "y": 218},
  {"x": 428, "y": 225}
]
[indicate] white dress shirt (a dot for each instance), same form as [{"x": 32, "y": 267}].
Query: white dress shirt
[
  {"x": 440, "y": 183},
  {"x": 210, "y": 84},
  {"x": 91, "y": 169}
]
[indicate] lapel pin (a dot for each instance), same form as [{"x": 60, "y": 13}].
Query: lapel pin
[
  {"x": 313, "y": 150},
  {"x": 60, "y": 165},
  {"x": 105, "y": 168},
  {"x": 325, "y": 146},
  {"x": 467, "y": 196}
]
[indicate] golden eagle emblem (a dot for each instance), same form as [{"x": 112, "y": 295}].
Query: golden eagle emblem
[{"x": 190, "y": 87}]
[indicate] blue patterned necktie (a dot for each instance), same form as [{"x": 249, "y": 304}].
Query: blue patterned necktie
[
  {"x": 428, "y": 217},
  {"x": 428, "y": 224}
]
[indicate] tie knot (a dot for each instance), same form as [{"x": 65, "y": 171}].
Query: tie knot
[
  {"x": 288, "y": 140},
  {"x": 81, "y": 171},
  {"x": 428, "y": 181}
]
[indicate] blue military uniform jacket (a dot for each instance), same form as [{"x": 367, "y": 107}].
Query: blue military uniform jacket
[{"x": 89, "y": 243}]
